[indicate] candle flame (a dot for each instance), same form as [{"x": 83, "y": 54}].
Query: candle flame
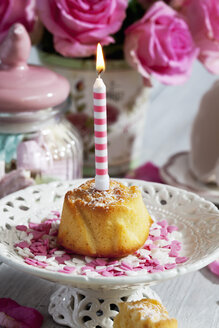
[{"x": 100, "y": 64}]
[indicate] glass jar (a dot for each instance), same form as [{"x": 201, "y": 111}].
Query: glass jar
[
  {"x": 37, "y": 144},
  {"x": 38, "y": 147}
]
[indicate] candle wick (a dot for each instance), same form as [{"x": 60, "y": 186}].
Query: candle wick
[{"x": 99, "y": 72}]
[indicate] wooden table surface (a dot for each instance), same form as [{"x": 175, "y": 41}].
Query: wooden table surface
[{"x": 193, "y": 298}]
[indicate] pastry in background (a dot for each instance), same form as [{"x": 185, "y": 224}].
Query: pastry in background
[{"x": 146, "y": 313}]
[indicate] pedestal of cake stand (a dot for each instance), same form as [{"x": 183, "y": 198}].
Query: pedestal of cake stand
[{"x": 77, "y": 308}]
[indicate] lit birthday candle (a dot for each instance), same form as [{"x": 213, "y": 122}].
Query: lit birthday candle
[{"x": 100, "y": 126}]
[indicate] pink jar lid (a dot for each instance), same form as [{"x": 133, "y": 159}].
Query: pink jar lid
[{"x": 23, "y": 87}]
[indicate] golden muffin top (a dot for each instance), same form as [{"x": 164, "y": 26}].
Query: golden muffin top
[{"x": 118, "y": 193}]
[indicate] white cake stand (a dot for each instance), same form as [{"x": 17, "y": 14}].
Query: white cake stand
[{"x": 93, "y": 302}]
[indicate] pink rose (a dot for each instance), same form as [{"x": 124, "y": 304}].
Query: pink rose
[
  {"x": 203, "y": 20},
  {"x": 147, "y": 171},
  {"x": 16, "y": 11},
  {"x": 160, "y": 44},
  {"x": 78, "y": 26}
]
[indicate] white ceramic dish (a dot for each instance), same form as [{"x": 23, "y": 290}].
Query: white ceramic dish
[
  {"x": 196, "y": 218},
  {"x": 176, "y": 172}
]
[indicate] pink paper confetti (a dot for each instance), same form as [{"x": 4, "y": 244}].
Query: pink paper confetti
[
  {"x": 35, "y": 263},
  {"x": 47, "y": 253},
  {"x": 22, "y": 244},
  {"x": 33, "y": 226},
  {"x": 181, "y": 259},
  {"x": 38, "y": 234},
  {"x": 100, "y": 261},
  {"x": 69, "y": 269},
  {"x": 126, "y": 265},
  {"x": 163, "y": 223},
  {"x": 107, "y": 274},
  {"x": 170, "y": 266},
  {"x": 170, "y": 228},
  {"x": 173, "y": 253},
  {"x": 21, "y": 227},
  {"x": 63, "y": 258}
]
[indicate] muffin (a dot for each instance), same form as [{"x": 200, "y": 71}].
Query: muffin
[
  {"x": 111, "y": 223},
  {"x": 146, "y": 313}
]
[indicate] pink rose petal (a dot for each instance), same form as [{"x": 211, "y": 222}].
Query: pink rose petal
[
  {"x": 214, "y": 267},
  {"x": 148, "y": 172},
  {"x": 16, "y": 179},
  {"x": 24, "y": 317},
  {"x": 8, "y": 322}
]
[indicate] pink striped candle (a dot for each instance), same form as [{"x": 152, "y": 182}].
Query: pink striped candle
[{"x": 100, "y": 128}]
